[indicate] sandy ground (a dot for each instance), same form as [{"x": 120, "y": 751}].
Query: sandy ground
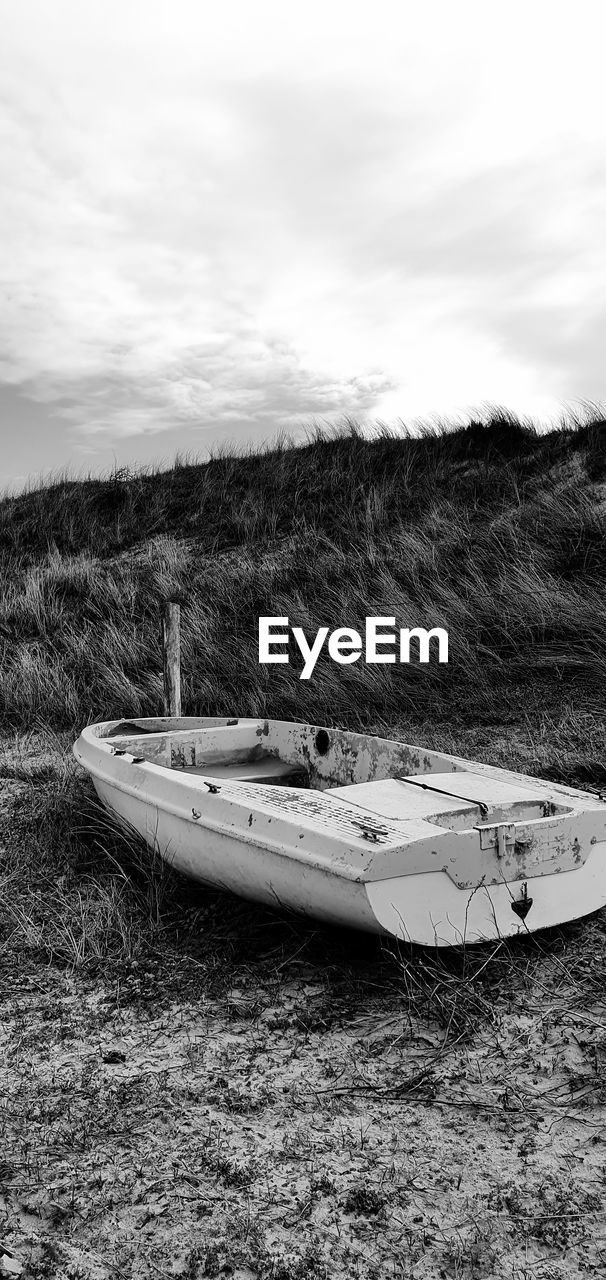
[{"x": 285, "y": 1114}]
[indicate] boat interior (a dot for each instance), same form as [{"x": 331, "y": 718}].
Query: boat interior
[{"x": 391, "y": 779}]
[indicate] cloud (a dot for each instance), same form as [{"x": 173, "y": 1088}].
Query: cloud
[
  {"x": 256, "y": 219},
  {"x": 145, "y": 304},
  {"x": 232, "y": 389}
]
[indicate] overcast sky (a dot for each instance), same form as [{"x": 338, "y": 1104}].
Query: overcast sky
[{"x": 220, "y": 220}]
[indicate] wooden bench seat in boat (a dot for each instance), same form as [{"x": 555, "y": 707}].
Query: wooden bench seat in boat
[{"x": 267, "y": 769}]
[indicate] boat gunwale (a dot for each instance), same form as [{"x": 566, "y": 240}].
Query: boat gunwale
[{"x": 462, "y": 765}]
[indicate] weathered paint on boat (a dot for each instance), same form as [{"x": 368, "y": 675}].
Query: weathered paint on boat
[{"x": 354, "y": 829}]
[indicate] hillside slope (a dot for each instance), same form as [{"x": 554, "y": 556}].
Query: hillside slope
[{"x": 495, "y": 533}]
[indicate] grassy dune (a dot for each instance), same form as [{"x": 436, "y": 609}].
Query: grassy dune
[
  {"x": 495, "y": 533},
  {"x": 194, "y": 1086}
]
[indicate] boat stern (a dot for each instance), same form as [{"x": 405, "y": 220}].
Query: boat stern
[{"x": 431, "y": 910}]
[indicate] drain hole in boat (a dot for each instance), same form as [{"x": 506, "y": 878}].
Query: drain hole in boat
[{"x": 322, "y": 742}]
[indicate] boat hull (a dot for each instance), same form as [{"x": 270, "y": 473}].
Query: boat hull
[
  {"x": 317, "y": 854},
  {"x": 214, "y": 859}
]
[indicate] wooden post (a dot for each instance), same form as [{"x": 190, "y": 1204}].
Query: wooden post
[{"x": 171, "y": 655}]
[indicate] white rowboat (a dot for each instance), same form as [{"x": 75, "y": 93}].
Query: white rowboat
[{"x": 354, "y": 829}]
